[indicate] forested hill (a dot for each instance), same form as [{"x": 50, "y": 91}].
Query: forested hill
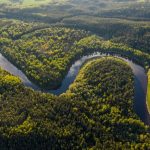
[
  {"x": 51, "y": 10},
  {"x": 91, "y": 115},
  {"x": 44, "y": 38}
]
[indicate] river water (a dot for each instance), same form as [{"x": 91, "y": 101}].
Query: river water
[{"x": 139, "y": 74}]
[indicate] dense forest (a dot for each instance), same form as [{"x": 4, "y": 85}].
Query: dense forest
[
  {"x": 45, "y": 55},
  {"x": 43, "y": 39},
  {"x": 96, "y": 117}
]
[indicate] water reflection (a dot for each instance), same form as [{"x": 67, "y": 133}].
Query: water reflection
[{"x": 139, "y": 72}]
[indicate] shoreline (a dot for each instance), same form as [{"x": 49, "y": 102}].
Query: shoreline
[
  {"x": 139, "y": 72},
  {"x": 148, "y": 92}
]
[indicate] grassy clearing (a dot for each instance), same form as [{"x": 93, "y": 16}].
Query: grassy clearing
[
  {"x": 148, "y": 91},
  {"x": 29, "y": 3}
]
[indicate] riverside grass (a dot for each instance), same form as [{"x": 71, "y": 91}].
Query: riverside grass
[{"x": 148, "y": 91}]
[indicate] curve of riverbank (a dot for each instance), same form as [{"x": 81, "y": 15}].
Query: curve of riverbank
[
  {"x": 139, "y": 74},
  {"x": 148, "y": 91}
]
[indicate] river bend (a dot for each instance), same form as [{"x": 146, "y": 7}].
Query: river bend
[{"x": 139, "y": 74}]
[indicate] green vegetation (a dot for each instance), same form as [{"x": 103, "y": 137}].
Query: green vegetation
[
  {"x": 148, "y": 91},
  {"x": 15, "y": 29},
  {"x": 45, "y": 55},
  {"x": 29, "y": 3},
  {"x": 44, "y": 38},
  {"x": 129, "y": 32},
  {"x": 8, "y": 81},
  {"x": 98, "y": 116},
  {"x": 120, "y": 21},
  {"x": 51, "y": 10}
]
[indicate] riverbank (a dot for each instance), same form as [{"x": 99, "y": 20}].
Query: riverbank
[
  {"x": 148, "y": 91},
  {"x": 138, "y": 71},
  {"x": 98, "y": 104}
]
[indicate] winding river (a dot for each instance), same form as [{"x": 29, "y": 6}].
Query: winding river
[{"x": 139, "y": 74}]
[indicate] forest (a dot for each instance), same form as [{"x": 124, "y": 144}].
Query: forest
[
  {"x": 43, "y": 39},
  {"x": 45, "y": 55},
  {"x": 148, "y": 89},
  {"x": 95, "y": 117}
]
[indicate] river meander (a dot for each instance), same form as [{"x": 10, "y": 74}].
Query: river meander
[{"x": 139, "y": 74}]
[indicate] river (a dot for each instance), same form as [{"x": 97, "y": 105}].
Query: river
[{"x": 139, "y": 75}]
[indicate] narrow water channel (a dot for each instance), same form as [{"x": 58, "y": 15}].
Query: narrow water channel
[{"x": 139, "y": 74}]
